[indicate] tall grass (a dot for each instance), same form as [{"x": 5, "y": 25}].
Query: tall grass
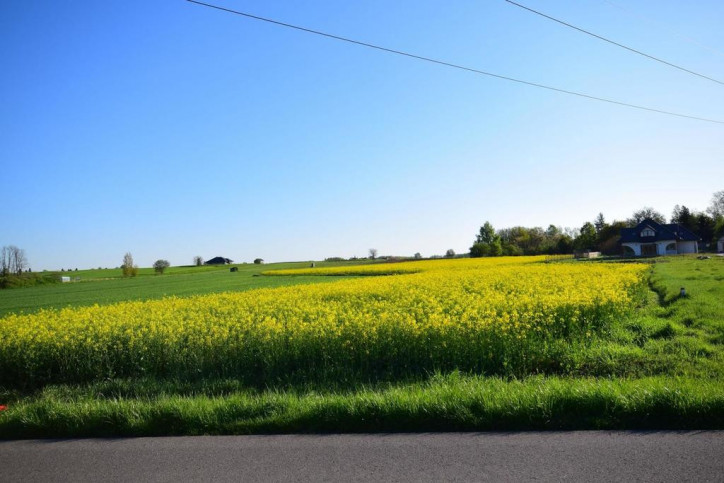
[{"x": 452, "y": 402}]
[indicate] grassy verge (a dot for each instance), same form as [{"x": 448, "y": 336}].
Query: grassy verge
[{"x": 443, "y": 403}]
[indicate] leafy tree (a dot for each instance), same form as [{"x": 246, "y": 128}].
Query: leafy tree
[
  {"x": 646, "y": 213},
  {"x": 716, "y": 209},
  {"x": 479, "y": 250},
  {"x": 587, "y": 237},
  {"x": 496, "y": 248},
  {"x": 128, "y": 267},
  {"x": 373, "y": 253},
  {"x": 564, "y": 245},
  {"x": 600, "y": 223},
  {"x": 198, "y": 261},
  {"x": 705, "y": 227},
  {"x": 487, "y": 243},
  {"x": 160, "y": 265},
  {"x": 529, "y": 241},
  {"x": 417, "y": 256},
  {"x": 609, "y": 237},
  {"x": 258, "y": 261},
  {"x": 683, "y": 216},
  {"x": 553, "y": 231},
  {"x": 487, "y": 234},
  {"x": 510, "y": 249},
  {"x": 450, "y": 253},
  {"x": 719, "y": 227}
]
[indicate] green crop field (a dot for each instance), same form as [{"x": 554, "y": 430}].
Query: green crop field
[
  {"x": 659, "y": 365},
  {"x": 105, "y": 286}
]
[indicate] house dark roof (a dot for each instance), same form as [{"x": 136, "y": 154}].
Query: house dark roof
[
  {"x": 218, "y": 261},
  {"x": 672, "y": 231}
]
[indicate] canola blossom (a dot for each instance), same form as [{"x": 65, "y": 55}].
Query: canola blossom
[{"x": 503, "y": 315}]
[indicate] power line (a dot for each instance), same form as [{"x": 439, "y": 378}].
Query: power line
[
  {"x": 448, "y": 64},
  {"x": 614, "y": 43},
  {"x": 664, "y": 27}
]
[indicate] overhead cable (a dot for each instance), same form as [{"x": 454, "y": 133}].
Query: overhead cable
[
  {"x": 449, "y": 64},
  {"x": 614, "y": 43},
  {"x": 664, "y": 27}
]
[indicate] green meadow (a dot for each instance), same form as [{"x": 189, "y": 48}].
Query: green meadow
[
  {"x": 106, "y": 286},
  {"x": 660, "y": 368}
]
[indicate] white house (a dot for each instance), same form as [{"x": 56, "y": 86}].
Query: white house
[{"x": 650, "y": 238}]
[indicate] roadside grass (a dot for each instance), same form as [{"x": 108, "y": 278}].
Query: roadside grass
[
  {"x": 107, "y": 286},
  {"x": 662, "y": 368},
  {"x": 451, "y": 402}
]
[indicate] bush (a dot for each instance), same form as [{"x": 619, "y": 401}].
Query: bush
[
  {"x": 160, "y": 265},
  {"x": 27, "y": 280},
  {"x": 128, "y": 267}
]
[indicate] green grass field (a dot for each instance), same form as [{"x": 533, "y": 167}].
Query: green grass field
[
  {"x": 662, "y": 368},
  {"x": 106, "y": 286}
]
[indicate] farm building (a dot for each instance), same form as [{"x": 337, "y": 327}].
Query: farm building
[
  {"x": 650, "y": 238},
  {"x": 218, "y": 261}
]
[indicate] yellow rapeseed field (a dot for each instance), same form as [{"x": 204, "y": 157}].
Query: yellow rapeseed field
[{"x": 495, "y": 315}]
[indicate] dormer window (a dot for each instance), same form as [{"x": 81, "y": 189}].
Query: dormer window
[{"x": 647, "y": 232}]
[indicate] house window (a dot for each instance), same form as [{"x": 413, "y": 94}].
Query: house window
[{"x": 647, "y": 232}]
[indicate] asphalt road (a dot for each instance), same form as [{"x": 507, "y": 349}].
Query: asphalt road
[{"x": 573, "y": 456}]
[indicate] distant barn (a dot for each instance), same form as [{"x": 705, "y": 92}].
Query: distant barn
[{"x": 218, "y": 261}]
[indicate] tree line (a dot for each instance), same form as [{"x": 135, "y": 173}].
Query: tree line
[
  {"x": 12, "y": 261},
  {"x": 597, "y": 235}
]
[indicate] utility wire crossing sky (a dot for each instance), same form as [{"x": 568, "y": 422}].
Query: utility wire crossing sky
[
  {"x": 470, "y": 69},
  {"x": 612, "y": 42}
]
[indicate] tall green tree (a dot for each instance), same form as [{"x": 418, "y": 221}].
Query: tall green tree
[
  {"x": 716, "y": 209},
  {"x": 487, "y": 243},
  {"x": 646, "y": 213},
  {"x": 586, "y": 239},
  {"x": 599, "y": 223},
  {"x": 487, "y": 234},
  {"x": 705, "y": 227},
  {"x": 683, "y": 216}
]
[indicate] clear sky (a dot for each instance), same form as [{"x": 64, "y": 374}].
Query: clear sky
[{"x": 170, "y": 130}]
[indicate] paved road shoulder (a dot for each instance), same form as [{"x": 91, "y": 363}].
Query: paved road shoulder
[{"x": 550, "y": 456}]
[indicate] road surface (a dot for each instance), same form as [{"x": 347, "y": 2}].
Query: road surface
[{"x": 552, "y": 456}]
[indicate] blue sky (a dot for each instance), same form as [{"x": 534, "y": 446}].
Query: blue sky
[{"x": 170, "y": 130}]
